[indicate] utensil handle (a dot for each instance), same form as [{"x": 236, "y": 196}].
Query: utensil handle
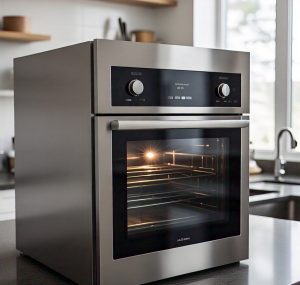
[{"x": 122, "y": 29}]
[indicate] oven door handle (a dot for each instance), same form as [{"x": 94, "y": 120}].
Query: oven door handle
[{"x": 176, "y": 124}]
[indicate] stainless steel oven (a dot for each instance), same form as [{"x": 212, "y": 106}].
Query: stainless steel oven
[
  {"x": 177, "y": 194},
  {"x": 153, "y": 180}
]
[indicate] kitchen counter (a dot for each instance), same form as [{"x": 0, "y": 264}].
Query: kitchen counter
[
  {"x": 7, "y": 181},
  {"x": 274, "y": 260},
  {"x": 270, "y": 176},
  {"x": 274, "y": 253}
]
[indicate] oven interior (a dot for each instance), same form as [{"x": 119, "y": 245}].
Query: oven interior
[{"x": 175, "y": 183}]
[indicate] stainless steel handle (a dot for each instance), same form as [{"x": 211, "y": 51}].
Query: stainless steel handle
[{"x": 205, "y": 124}]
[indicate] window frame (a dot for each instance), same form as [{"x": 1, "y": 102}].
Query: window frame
[{"x": 283, "y": 72}]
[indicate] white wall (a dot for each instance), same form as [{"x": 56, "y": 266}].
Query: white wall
[
  {"x": 205, "y": 24},
  {"x": 72, "y": 21},
  {"x": 6, "y": 123},
  {"x": 68, "y": 22},
  {"x": 175, "y": 26}
]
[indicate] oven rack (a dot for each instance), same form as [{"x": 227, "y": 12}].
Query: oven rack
[
  {"x": 161, "y": 223},
  {"x": 157, "y": 168},
  {"x": 182, "y": 214},
  {"x": 153, "y": 175},
  {"x": 182, "y": 199},
  {"x": 185, "y": 192},
  {"x": 142, "y": 196}
]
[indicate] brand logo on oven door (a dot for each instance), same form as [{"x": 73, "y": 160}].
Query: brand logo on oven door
[{"x": 183, "y": 239}]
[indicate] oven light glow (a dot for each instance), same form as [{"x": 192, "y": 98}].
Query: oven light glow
[
  {"x": 203, "y": 145},
  {"x": 150, "y": 155}
]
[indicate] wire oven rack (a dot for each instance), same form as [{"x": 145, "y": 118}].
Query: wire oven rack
[{"x": 169, "y": 194}]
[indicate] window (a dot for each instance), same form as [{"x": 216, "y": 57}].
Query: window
[
  {"x": 251, "y": 26},
  {"x": 295, "y": 118},
  {"x": 269, "y": 30}
]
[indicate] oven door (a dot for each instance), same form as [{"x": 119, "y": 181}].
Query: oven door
[{"x": 175, "y": 183}]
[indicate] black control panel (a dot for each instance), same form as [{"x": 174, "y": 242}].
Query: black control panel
[{"x": 163, "y": 87}]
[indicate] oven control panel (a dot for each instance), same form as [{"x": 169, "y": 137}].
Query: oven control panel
[{"x": 179, "y": 88}]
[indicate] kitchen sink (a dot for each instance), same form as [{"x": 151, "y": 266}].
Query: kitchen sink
[
  {"x": 281, "y": 181},
  {"x": 287, "y": 208},
  {"x": 254, "y": 192}
]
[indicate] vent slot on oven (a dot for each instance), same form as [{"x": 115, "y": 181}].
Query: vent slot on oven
[{"x": 174, "y": 183}]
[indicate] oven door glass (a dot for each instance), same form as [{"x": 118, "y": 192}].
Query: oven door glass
[{"x": 174, "y": 187}]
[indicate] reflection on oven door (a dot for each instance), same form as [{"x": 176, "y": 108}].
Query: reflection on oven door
[{"x": 175, "y": 183}]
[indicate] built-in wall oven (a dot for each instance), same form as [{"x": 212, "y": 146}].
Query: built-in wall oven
[
  {"x": 168, "y": 169},
  {"x": 178, "y": 192},
  {"x": 175, "y": 182}
]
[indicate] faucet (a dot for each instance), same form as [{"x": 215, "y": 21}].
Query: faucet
[{"x": 279, "y": 167}]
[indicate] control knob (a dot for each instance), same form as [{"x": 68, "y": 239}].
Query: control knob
[
  {"x": 223, "y": 90},
  {"x": 135, "y": 87}
]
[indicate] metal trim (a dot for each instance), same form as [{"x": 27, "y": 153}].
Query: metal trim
[{"x": 128, "y": 54}]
